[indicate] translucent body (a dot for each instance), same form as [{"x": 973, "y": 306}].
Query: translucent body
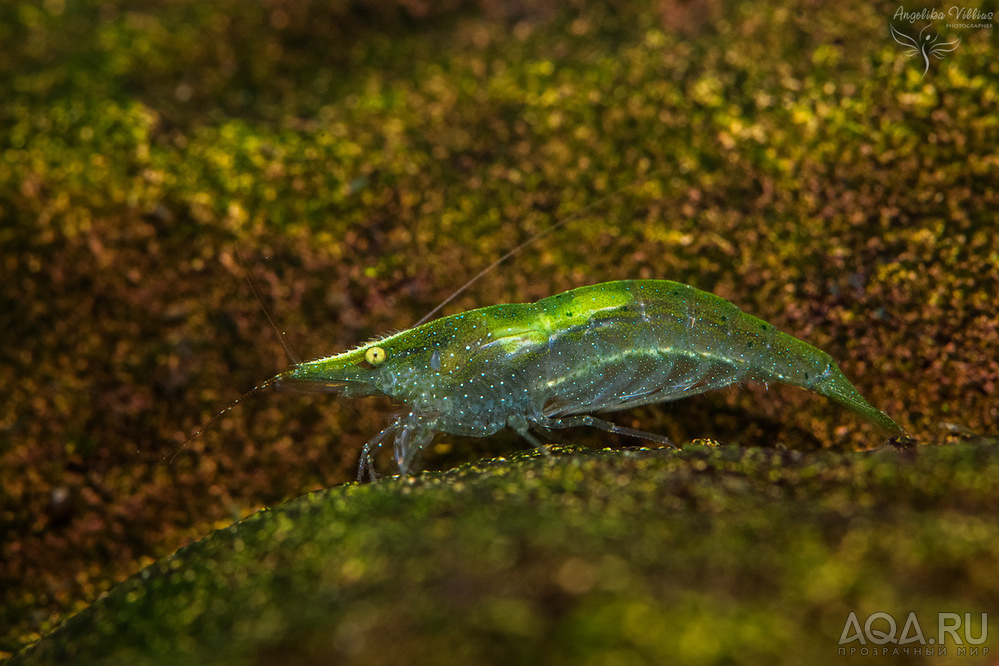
[{"x": 554, "y": 362}]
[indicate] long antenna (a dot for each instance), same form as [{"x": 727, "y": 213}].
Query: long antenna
[
  {"x": 530, "y": 241},
  {"x": 248, "y": 276},
  {"x": 270, "y": 382},
  {"x": 215, "y": 418}
]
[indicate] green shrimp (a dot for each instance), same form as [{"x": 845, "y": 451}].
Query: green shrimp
[{"x": 554, "y": 363}]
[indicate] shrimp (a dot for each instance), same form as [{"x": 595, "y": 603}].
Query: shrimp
[{"x": 554, "y": 363}]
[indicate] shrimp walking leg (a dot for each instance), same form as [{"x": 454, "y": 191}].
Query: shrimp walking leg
[
  {"x": 410, "y": 441},
  {"x": 587, "y": 420},
  {"x": 523, "y": 428},
  {"x": 372, "y": 445}
]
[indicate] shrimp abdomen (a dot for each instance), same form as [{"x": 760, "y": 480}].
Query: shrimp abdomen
[{"x": 686, "y": 321}]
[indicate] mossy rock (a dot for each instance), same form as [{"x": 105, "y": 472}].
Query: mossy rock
[{"x": 703, "y": 555}]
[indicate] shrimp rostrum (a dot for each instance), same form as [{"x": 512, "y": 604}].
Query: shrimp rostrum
[{"x": 556, "y": 362}]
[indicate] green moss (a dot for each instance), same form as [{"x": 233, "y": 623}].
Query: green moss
[
  {"x": 700, "y": 556},
  {"x": 365, "y": 160}
]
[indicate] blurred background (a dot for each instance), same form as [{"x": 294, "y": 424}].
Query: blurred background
[{"x": 360, "y": 161}]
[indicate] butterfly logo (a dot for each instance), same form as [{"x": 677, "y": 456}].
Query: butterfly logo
[{"x": 928, "y": 45}]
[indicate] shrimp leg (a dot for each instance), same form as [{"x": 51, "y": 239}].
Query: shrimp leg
[
  {"x": 587, "y": 420},
  {"x": 412, "y": 433},
  {"x": 372, "y": 445},
  {"x": 523, "y": 428},
  {"x": 410, "y": 441}
]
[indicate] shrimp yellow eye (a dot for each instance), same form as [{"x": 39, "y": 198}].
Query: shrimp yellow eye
[{"x": 375, "y": 355}]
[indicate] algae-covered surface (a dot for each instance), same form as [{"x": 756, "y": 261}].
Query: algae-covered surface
[
  {"x": 361, "y": 161},
  {"x": 708, "y": 555}
]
